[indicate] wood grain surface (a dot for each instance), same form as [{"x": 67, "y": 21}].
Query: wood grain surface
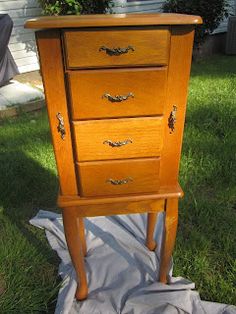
[
  {"x": 162, "y": 193},
  {"x": 121, "y": 208},
  {"x": 97, "y": 20},
  {"x": 150, "y": 47},
  {"x": 147, "y": 86},
  {"x": 178, "y": 77},
  {"x": 123, "y": 155},
  {"x": 144, "y": 137},
  {"x": 169, "y": 236},
  {"x": 51, "y": 64},
  {"x": 138, "y": 175}
]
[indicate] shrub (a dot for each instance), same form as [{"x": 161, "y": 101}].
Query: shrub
[
  {"x": 69, "y": 7},
  {"x": 211, "y": 11}
]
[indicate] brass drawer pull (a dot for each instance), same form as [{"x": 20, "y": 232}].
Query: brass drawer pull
[
  {"x": 61, "y": 125},
  {"x": 118, "y": 98},
  {"x": 119, "y": 182},
  {"x": 117, "y": 143},
  {"x": 116, "y": 51}
]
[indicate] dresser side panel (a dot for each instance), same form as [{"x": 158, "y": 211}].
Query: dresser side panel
[
  {"x": 178, "y": 78},
  {"x": 51, "y": 63}
]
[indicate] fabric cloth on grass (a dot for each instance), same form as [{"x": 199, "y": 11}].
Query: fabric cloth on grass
[{"x": 121, "y": 271}]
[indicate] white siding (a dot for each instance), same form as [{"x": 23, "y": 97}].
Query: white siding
[
  {"x": 122, "y": 6},
  {"x": 22, "y": 42}
]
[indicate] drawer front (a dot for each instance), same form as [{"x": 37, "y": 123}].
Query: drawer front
[
  {"x": 119, "y": 177},
  {"x": 109, "y": 48},
  {"x": 118, "y": 138},
  {"x": 117, "y": 93}
]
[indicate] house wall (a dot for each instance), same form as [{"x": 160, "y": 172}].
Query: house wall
[
  {"x": 123, "y": 6},
  {"x": 22, "y": 43}
]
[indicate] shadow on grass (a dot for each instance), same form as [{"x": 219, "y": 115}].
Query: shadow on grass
[
  {"x": 209, "y": 67},
  {"x": 25, "y": 188}
]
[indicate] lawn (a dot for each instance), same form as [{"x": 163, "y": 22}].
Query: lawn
[{"x": 206, "y": 243}]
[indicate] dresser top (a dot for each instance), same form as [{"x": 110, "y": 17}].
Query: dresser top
[{"x": 96, "y": 20}]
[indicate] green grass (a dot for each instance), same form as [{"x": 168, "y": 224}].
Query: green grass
[
  {"x": 206, "y": 244},
  {"x": 205, "y": 250}
]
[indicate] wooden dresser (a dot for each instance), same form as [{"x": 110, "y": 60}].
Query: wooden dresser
[{"x": 116, "y": 90}]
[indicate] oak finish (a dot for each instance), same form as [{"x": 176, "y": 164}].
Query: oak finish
[
  {"x": 163, "y": 193},
  {"x": 49, "y": 48},
  {"x": 83, "y": 48},
  {"x": 141, "y": 175},
  {"x": 170, "y": 228},
  {"x": 145, "y": 135},
  {"x": 121, "y": 152},
  {"x": 178, "y": 76},
  {"x": 96, "y": 20},
  {"x": 148, "y": 86},
  {"x": 76, "y": 246},
  {"x": 120, "y": 208},
  {"x": 151, "y": 224}
]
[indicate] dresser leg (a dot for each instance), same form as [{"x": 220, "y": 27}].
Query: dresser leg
[
  {"x": 170, "y": 228},
  {"x": 82, "y": 235},
  {"x": 76, "y": 245},
  {"x": 151, "y": 223}
]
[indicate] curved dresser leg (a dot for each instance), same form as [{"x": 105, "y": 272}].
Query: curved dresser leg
[
  {"x": 170, "y": 228},
  {"x": 73, "y": 231},
  {"x": 151, "y": 223},
  {"x": 82, "y": 235}
]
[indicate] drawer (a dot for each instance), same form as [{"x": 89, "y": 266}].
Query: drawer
[
  {"x": 112, "y": 48},
  {"x": 117, "y": 93},
  {"x": 119, "y": 177},
  {"x": 118, "y": 138}
]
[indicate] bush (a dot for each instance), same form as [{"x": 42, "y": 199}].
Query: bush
[
  {"x": 69, "y": 7},
  {"x": 212, "y": 13}
]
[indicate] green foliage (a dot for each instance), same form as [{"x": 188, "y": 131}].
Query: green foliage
[
  {"x": 212, "y": 13},
  {"x": 69, "y": 7},
  {"x": 95, "y": 6}
]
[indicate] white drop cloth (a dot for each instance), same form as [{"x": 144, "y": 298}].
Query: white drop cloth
[{"x": 121, "y": 271}]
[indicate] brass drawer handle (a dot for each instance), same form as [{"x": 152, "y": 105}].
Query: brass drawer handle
[
  {"x": 118, "y": 98},
  {"x": 61, "y": 125},
  {"x": 119, "y": 182},
  {"x": 117, "y": 143},
  {"x": 116, "y": 51}
]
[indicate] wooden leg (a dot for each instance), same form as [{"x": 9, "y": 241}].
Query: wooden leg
[
  {"x": 76, "y": 245},
  {"x": 170, "y": 228},
  {"x": 82, "y": 235},
  {"x": 151, "y": 223}
]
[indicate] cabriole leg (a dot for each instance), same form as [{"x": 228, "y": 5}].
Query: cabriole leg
[
  {"x": 74, "y": 233},
  {"x": 82, "y": 235},
  {"x": 151, "y": 223},
  {"x": 170, "y": 228}
]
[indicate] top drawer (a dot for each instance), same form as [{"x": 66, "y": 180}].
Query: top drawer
[{"x": 114, "y": 48}]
